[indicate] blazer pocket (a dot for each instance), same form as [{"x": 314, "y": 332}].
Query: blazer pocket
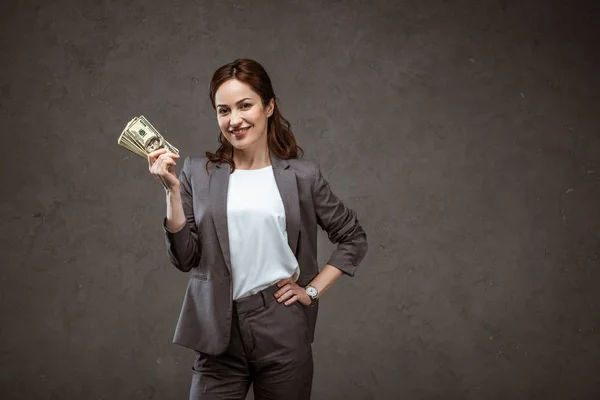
[{"x": 199, "y": 276}]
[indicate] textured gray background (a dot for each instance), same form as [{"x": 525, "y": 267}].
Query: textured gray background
[{"x": 464, "y": 133}]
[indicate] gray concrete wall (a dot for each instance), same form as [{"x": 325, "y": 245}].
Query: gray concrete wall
[{"x": 464, "y": 133}]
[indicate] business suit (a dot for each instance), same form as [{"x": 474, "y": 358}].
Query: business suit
[{"x": 201, "y": 247}]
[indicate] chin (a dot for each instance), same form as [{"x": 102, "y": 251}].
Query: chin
[{"x": 240, "y": 146}]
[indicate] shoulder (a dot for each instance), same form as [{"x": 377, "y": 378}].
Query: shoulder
[
  {"x": 197, "y": 162},
  {"x": 196, "y": 165},
  {"x": 304, "y": 168}
]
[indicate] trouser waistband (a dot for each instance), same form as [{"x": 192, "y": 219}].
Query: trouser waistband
[{"x": 256, "y": 300}]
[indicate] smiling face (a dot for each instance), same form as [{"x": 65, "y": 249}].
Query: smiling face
[{"x": 242, "y": 118}]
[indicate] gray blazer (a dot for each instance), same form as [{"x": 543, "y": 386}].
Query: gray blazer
[{"x": 201, "y": 248}]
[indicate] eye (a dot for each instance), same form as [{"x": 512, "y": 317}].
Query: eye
[
  {"x": 246, "y": 105},
  {"x": 222, "y": 111}
]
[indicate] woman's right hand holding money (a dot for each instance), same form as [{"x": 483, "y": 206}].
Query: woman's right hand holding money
[{"x": 160, "y": 162}]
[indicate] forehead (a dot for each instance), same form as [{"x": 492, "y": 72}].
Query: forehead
[{"x": 232, "y": 91}]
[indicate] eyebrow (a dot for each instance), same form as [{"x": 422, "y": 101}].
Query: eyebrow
[{"x": 238, "y": 102}]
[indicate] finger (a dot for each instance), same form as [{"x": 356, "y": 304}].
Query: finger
[
  {"x": 160, "y": 167},
  {"x": 169, "y": 161},
  {"x": 282, "y": 290},
  {"x": 158, "y": 152},
  {"x": 153, "y": 161},
  {"x": 170, "y": 164},
  {"x": 164, "y": 164},
  {"x": 168, "y": 156},
  {"x": 292, "y": 300},
  {"x": 154, "y": 155},
  {"x": 287, "y": 295},
  {"x": 162, "y": 160},
  {"x": 156, "y": 166},
  {"x": 284, "y": 281}
]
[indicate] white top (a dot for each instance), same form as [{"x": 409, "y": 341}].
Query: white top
[{"x": 260, "y": 254}]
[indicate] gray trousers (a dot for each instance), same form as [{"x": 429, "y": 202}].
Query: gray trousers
[{"x": 269, "y": 347}]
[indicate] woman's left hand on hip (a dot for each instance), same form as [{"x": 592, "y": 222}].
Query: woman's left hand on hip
[{"x": 289, "y": 292}]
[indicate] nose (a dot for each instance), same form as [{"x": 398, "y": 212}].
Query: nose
[{"x": 235, "y": 119}]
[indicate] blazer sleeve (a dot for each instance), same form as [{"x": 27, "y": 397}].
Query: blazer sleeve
[
  {"x": 182, "y": 246},
  {"x": 341, "y": 224}
]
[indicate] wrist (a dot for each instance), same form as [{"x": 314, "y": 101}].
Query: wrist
[
  {"x": 312, "y": 293},
  {"x": 174, "y": 191}
]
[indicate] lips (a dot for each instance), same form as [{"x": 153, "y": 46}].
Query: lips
[{"x": 240, "y": 132}]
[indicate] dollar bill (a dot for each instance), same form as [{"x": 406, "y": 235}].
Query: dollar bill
[{"x": 141, "y": 138}]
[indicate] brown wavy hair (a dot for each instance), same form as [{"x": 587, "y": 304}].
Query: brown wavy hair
[{"x": 280, "y": 138}]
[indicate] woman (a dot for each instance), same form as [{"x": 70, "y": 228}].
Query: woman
[{"x": 243, "y": 222}]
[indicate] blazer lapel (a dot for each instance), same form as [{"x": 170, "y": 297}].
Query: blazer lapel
[
  {"x": 285, "y": 177},
  {"x": 219, "y": 183}
]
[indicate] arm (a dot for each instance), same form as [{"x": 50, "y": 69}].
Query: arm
[
  {"x": 342, "y": 227},
  {"x": 181, "y": 235}
]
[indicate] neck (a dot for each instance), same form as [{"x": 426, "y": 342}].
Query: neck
[{"x": 251, "y": 159}]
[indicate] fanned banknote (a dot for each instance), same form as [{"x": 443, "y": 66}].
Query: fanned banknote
[{"x": 141, "y": 138}]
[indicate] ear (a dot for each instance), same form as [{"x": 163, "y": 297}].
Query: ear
[{"x": 270, "y": 107}]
